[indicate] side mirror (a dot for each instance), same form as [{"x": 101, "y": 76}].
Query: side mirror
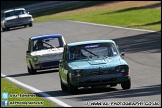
[
  {"x": 122, "y": 54},
  {"x": 28, "y": 12}
]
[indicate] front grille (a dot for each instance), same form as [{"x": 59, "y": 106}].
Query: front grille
[
  {"x": 18, "y": 20},
  {"x": 49, "y": 64},
  {"x": 102, "y": 72},
  {"x": 101, "y": 77}
]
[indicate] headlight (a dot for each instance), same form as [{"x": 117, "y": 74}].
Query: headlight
[
  {"x": 8, "y": 22},
  {"x": 5, "y": 21},
  {"x": 28, "y": 18},
  {"x": 122, "y": 68},
  {"x": 77, "y": 73},
  {"x": 35, "y": 58}
]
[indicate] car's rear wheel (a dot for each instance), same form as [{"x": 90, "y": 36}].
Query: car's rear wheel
[{"x": 126, "y": 84}]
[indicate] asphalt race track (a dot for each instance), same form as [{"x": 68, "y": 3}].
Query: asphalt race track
[{"x": 143, "y": 54}]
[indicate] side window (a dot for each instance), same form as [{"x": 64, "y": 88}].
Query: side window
[
  {"x": 29, "y": 46},
  {"x": 56, "y": 42},
  {"x": 117, "y": 48},
  {"x": 60, "y": 42}
]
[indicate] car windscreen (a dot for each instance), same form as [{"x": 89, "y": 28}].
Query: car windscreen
[
  {"x": 92, "y": 51},
  {"x": 20, "y": 12},
  {"x": 14, "y": 13},
  {"x": 47, "y": 43}
]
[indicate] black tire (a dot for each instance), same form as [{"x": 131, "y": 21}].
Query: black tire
[
  {"x": 3, "y": 29},
  {"x": 63, "y": 86},
  {"x": 7, "y": 29},
  {"x": 113, "y": 85},
  {"x": 31, "y": 70},
  {"x": 126, "y": 85},
  {"x": 31, "y": 24},
  {"x": 72, "y": 89}
]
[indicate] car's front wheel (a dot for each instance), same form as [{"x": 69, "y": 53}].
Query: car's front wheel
[
  {"x": 63, "y": 86},
  {"x": 31, "y": 24},
  {"x": 5, "y": 29},
  {"x": 72, "y": 89},
  {"x": 126, "y": 84},
  {"x": 28, "y": 69},
  {"x": 31, "y": 70}
]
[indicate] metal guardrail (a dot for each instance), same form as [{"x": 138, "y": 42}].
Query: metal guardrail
[{"x": 47, "y": 5}]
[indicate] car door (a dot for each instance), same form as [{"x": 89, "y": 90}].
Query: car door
[
  {"x": 28, "y": 52},
  {"x": 63, "y": 65}
]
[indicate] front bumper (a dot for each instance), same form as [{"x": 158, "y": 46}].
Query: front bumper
[
  {"x": 100, "y": 80},
  {"x": 45, "y": 65},
  {"x": 17, "y": 23}
]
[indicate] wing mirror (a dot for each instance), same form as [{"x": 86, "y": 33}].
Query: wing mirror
[{"x": 122, "y": 54}]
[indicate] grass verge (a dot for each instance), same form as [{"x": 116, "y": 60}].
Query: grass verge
[
  {"x": 133, "y": 17},
  {"x": 15, "y": 95}
]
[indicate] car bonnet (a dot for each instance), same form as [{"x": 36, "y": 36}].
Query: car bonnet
[
  {"x": 53, "y": 51},
  {"x": 86, "y": 64}
]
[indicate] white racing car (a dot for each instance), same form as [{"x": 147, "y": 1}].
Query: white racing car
[
  {"x": 44, "y": 52},
  {"x": 15, "y": 17}
]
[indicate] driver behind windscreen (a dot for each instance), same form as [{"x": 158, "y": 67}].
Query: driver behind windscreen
[{"x": 39, "y": 45}]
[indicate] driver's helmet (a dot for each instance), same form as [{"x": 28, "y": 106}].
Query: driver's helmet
[{"x": 39, "y": 44}]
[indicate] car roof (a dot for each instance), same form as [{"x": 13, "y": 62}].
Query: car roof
[
  {"x": 13, "y": 9},
  {"x": 89, "y": 42},
  {"x": 46, "y": 36}
]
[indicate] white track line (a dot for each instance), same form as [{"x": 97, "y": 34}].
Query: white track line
[
  {"x": 37, "y": 91},
  {"x": 111, "y": 26}
]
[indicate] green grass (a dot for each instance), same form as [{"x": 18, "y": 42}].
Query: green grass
[
  {"x": 10, "y": 88},
  {"x": 136, "y": 17}
]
